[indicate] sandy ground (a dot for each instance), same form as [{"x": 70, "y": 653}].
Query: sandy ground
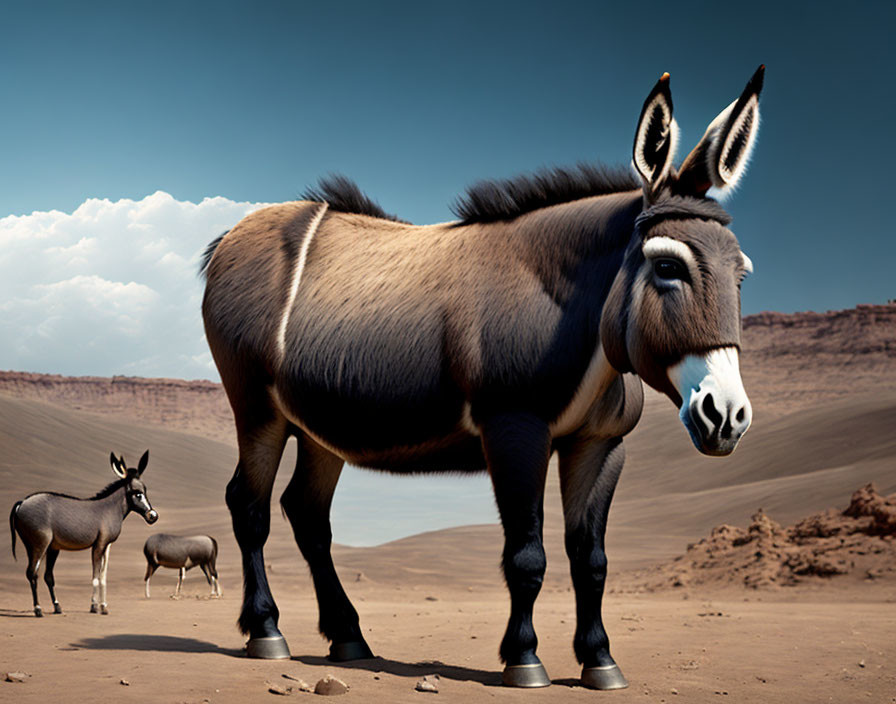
[{"x": 801, "y": 645}]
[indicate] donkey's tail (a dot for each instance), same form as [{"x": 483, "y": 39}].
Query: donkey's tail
[
  {"x": 12, "y": 526},
  {"x": 209, "y": 253}
]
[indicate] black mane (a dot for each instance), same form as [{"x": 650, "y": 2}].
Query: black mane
[
  {"x": 101, "y": 494},
  {"x": 209, "y": 253},
  {"x": 505, "y": 199},
  {"x": 343, "y": 195}
]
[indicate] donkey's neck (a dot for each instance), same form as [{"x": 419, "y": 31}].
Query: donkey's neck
[
  {"x": 115, "y": 504},
  {"x": 587, "y": 237}
]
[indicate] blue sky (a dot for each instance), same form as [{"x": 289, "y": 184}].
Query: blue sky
[{"x": 244, "y": 103}]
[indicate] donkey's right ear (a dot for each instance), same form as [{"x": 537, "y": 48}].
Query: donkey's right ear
[
  {"x": 721, "y": 157},
  {"x": 655, "y": 139},
  {"x": 119, "y": 468}
]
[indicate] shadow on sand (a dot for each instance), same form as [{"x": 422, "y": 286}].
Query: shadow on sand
[
  {"x": 13, "y": 613},
  {"x": 142, "y": 641},
  {"x": 407, "y": 669}
]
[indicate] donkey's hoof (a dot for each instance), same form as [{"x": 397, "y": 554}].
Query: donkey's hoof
[
  {"x": 103, "y": 610},
  {"x": 268, "y": 648},
  {"x": 38, "y": 611},
  {"x": 353, "y": 650},
  {"x": 94, "y": 608},
  {"x": 604, "y": 677},
  {"x": 531, "y": 675},
  {"x": 57, "y": 609}
]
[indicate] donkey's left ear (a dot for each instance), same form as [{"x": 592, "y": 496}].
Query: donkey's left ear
[
  {"x": 120, "y": 468},
  {"x": 141, "y": 466},
  {"x": 655, "y": 138},
  {"x": 721, "y": 157}
]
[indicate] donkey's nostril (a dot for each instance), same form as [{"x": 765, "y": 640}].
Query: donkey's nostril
[
  {"x": 711, "y": 412},
  {"x": 740, "y": 415}
]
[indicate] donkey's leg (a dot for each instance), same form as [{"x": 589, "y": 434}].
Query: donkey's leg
[
  {"x": 180, "y": 580},
  {"x": 213, "y": 571},
  {"x": 104, "y": 567},
  {"x": 50, "y": 579},
  {"x": 96, "y": 556},
  {"x": 517, "y": 449},
  {"x": 151, "y": 568},
  {"x": 306, "y": 502},
  {"x": 588, "y": 474},
  {"x": 35, "y": 555},
  {"x": 208, "y": 577},
  {"x": 262, "y": 433}
]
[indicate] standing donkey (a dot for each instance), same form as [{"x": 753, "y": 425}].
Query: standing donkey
[
  {"x": 49, "y": 522},
  {"x": 522, "y": 329},
  {"x": 182, "y": 553}
]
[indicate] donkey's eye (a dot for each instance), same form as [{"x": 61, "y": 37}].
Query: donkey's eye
[{"x": 669, "y": 269}]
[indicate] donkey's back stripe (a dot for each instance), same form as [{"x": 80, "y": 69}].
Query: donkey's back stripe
[{"x": 297, "y": 277}]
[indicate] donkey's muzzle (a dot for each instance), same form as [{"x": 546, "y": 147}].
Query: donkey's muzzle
[
  {"x": 716, "y": 430},
  {"x": 151, "y": 516},
  {"x": 715, "y": 408}
]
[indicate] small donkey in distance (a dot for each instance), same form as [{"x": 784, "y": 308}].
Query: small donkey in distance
[
  {"x": 182, "y": 553},
  {"x": 48, "y": 522}
]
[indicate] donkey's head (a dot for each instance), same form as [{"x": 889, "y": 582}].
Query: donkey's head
[
  {"x": 673, "y": 314},
  {"x": 135, "y": 489}
]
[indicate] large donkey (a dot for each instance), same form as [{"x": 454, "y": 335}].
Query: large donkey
[
  {"x": 523, "y": 329},
  {"x": 49, "y": 522}
]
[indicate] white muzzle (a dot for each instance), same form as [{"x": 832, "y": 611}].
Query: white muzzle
[{"x": 714, "y": 408}]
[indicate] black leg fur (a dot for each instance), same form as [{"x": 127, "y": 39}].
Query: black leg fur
[
  {"x": 517, "y": 448},
  {"x": 306, "y": 502},
  {"x": 588, "y": 476}
]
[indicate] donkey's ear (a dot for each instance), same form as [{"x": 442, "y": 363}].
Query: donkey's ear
[
  {"x": 120, "y": 469},
  {"x": 141, "y": 466},
  {"x": 721, "y": 157},
  {"x": 655, "y": 138}
]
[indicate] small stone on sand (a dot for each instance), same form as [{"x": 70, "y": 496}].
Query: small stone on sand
[
  {"x": 330, "y": 685},
  {"x": 124, "y": 682},
  {"x": 17, "y": 676},
  {"x": 430, "y": 683},
  {"x": 279, "y": 689},
  {"x": 301, "y": 684}
]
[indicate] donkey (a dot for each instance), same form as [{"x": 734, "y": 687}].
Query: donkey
[
  {"x": 485, "y": 344},
  {"x": 49, "y": 522},
  {"x": 182, "y": 553}
]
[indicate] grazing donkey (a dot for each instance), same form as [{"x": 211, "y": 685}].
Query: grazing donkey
[
  {"x": 182, "y": 553},
  {"x": 523, "y": 329},
  {"x": 49, "y": 522}
]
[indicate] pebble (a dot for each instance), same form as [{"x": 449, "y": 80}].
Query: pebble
[
  {"x": 430, "y": 683},
  {"x": 279, "y": 689},
  {"x": 302, "y": 685},
  {"x": 125, "y": 683},
  {"x": 330, "y": 685},
  {"x": 17, "y": 676}
]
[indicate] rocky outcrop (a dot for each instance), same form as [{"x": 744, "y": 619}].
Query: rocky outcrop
[{"x": 860, "y": 539}]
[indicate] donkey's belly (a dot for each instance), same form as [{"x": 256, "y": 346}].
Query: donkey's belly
[{"x": 419, "y": 434}]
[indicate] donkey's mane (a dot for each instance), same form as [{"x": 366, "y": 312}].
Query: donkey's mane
[
  {"x": 343, "y": 195},
  {"x": 505, "y": 199},
  {"x": 101, "y": 494}
]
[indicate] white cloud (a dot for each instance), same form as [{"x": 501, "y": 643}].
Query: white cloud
[{"x": 111, "y": 288}]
